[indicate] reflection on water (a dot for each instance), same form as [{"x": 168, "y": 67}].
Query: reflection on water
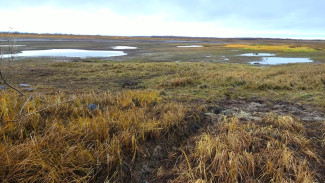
[
  {"x": 124, "y": 48},
  {"x": 270, "y": 59},
  {"x": 281, "y": 60},
  {"x": 69, "y": 53},
  {"x": 257, "y": 54},
  {"x": 190, "y": 46}
]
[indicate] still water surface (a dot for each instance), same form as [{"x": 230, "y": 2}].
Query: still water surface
[
  {"x": 124, "y": 48},
  {"x": 281, "y": 60},
  {"x": 69, "y": 53},
  {"x": 190, "y": 46},
  {"x": 270, "y": 59},
  {"x": 258, "y": 54}
]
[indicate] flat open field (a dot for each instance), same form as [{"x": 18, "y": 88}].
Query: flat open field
[{"x": 163, "y": 113}]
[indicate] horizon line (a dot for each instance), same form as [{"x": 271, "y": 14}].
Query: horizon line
[{"x": 171, "y": 36}]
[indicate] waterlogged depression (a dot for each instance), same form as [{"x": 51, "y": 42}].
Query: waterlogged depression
[
  {"x": 258, "y": 54},
  {"x": 124, "y": 48},
  {"x": 270, "y": 59},
  {"x": 76, "y": 53},
  {"x": 281, "y": 60},
  {"x": 190, "y": 46}
]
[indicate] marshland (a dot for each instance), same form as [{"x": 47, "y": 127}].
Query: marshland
[{"x": 166, "y": 109}]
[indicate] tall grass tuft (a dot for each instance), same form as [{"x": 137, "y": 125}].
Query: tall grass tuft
[
  {"x": 273, "y": 150},
  {"x": 58, "y": 139}
]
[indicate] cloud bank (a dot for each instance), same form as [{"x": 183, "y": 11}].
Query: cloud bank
[{"x": 210, "y": 18}]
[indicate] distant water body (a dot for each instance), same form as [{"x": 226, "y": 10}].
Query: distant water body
[
  {"x": 74, "y": 53},
  {"x": 281, "y": 60},
  {"x": 124, "y": 48},
  {"x": 190, "y": 46}
]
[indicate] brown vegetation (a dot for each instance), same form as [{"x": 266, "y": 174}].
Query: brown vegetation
[
  {"x": 70, "y": 143},
  {"x": 275, "y": 149}
]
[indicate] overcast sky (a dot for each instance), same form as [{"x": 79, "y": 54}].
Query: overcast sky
[{"x": 204, "y": 18}]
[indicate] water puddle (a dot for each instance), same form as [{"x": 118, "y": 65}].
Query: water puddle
[
  {"x": 124, "y": 48},
  {"x": 258, "y": 54},
  {"x": 225, "y": 58},
  {"x": 271, "y": 59},
  {"x": 281, "y": 60},
  {"x": 190, "y": 46},
  {"x": 68, "y": 53}
]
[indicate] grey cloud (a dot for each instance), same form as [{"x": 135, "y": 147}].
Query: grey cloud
[
  {"x": 269, "y": 14},
  {"x": 259, "y": 14}
]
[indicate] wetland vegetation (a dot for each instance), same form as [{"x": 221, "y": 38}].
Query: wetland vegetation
[{"x": 163, "y": 113}]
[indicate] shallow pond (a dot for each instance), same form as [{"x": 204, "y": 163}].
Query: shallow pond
[
  {"x": 270, "y": 59},
  {"x": 258, "y": 54},
  {"x": 69, "y": 53},
  {"x": 124, "y": 48},
  {"x": 190, "y": 46},
  {"x": 281, "y": 60}
]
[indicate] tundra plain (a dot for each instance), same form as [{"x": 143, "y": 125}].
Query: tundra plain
[{"x": 164, "y": 113}]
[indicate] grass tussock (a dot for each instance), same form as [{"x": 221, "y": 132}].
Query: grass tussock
[
  {"x": 58, "y": 139},
  {"x": 284, "y": 48},
  {"x": 273, "y": 150},
  {"x": 179, "y": 82}
]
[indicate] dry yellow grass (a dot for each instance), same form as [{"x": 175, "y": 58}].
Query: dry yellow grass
[
  {"x": 69, "y": 143},
  {"x": 55, "y": 138},
  {"x": 295, "y": 82},
  {"x": 298, "y": 82},
  {"x": 274, "y": 150}
]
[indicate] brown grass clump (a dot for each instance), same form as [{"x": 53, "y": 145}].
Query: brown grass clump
[
  {"x": 58, "y": 139},
  {"x": 181, "y": 81},
  {"x": 273, "y": 150}
]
